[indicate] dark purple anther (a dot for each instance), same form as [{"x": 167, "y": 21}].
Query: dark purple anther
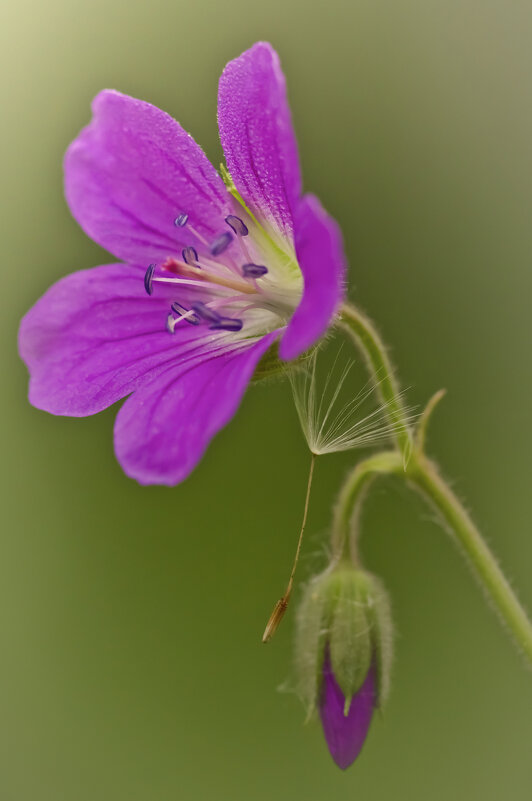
[
  {"x": 221, "y": 243},
  {"x": 238, "y": 226},
  {"x": 192, "y": 319},
  {"x": 254, "y": 270},
  {"x": 181, "y": 220},
  {"x": 227, "y": 324},
  {"x": 205, "y": 313},
  {"x": 148, "y": 278},
  {"x": 345, "y": 734},
  {"x": 190, "y": 255}
]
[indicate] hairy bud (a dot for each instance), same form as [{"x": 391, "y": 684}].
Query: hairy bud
[{"x": 343, "y": 654}]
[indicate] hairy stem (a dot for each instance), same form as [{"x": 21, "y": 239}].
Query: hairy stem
[
  {"x": 352, "y": 494},
  {"x": 372, "y": 348},
  {"x": 424, "y": 475}
]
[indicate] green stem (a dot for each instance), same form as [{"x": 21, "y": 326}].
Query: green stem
[
  {"x": 351, "y": 496},
  {"x": 372, "y": 348},
  {"x": 424, "y": 475}
]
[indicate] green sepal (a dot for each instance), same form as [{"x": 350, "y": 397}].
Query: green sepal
[
  {"x": 346, "y": 610},
  {"x": 382, "y": 637},
  {"x": 310, "y": 639},
  {"x": 350, "y": 636},
  {"x": 270, "y": 364}
]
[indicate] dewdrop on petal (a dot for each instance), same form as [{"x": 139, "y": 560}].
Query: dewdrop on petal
[{"x": 343, "y": 655}]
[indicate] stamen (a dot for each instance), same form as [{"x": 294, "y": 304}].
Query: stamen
[
  {"x": 189, "y": 315},
  {"x": 182, "y": 282},
  {"x": 228, "y": 324},
  {"x": 221, "y": 243},
  {"x": 238, "y": 226},
  {"x": 218, "y": 283},
  {"x": 205, "y": 313},
  {"x": 254, "y": 270},
  {"x": 190, "y": 255},
  {"x": 148, "y": 278},
  {"x": 198, "y": 236},
  {"x": 181, "y": 220},
  {"x": 171, "y": 323},
  {"x": 243, "y": 248}
]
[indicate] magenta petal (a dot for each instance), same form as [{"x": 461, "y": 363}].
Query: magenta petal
[
  {"x": 162, "y": 431},
  {"x": 131, "y": 172},
  {"x": 257, "y": 135},
  {"x": 345, "y": 734},
  {"x": 95, "y": 336},
  {"x": 320, "y": 254}
]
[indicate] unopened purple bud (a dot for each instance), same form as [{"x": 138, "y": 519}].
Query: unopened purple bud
[
  {"x": 227, "y": 324},
  {"x": 221, "y": 243},
  {"x": 346, "y": 732},
  {"x": 148, "y": 279},
  {"x": 254, "y": 270},
  {"x": 190, "y": 255},
  {"x": 238, "y": 225},
  {"x": 181, "y": 220},
  {"x": 343, "y": 654}
]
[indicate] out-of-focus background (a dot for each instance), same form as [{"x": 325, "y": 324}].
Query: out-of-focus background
[{"x": 130, "y": 618}]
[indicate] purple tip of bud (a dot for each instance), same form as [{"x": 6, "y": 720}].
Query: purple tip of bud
[
  {"x": 190, "y": 255},
  {"x": 345, "y": 734},
  {"x": 205, "y": 313},
  {"x": 192, "y": 319},
  {"x": 254, "y": 270},
  {"x": 238, "y": 225},
  {"x": 227, "y": 324},
  {"x": 148, "y": 279},
  {"x": 221, "y": 243},
  {"x": 181, "y": 220}
]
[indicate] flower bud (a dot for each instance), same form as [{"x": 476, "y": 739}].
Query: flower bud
[{"x": 343, "y": 655}]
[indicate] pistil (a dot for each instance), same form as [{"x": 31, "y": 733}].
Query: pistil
[{"x": 185, "y": 270}]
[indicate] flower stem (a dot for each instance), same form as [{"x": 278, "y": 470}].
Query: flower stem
[
  {"x": 424, "y": 475},
  {"x": 374, "y": 352},
  {"x": 344, "y": 533}
]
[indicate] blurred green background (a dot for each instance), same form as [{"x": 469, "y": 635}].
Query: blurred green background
[{"x": 131, "y": 617}]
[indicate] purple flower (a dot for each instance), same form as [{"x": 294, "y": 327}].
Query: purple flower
[
  {"x": 345, "y": 734},
  {"x": 213, "y": 271}
]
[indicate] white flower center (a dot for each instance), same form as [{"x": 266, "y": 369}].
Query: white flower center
[{"x": 245, "y": 281}]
